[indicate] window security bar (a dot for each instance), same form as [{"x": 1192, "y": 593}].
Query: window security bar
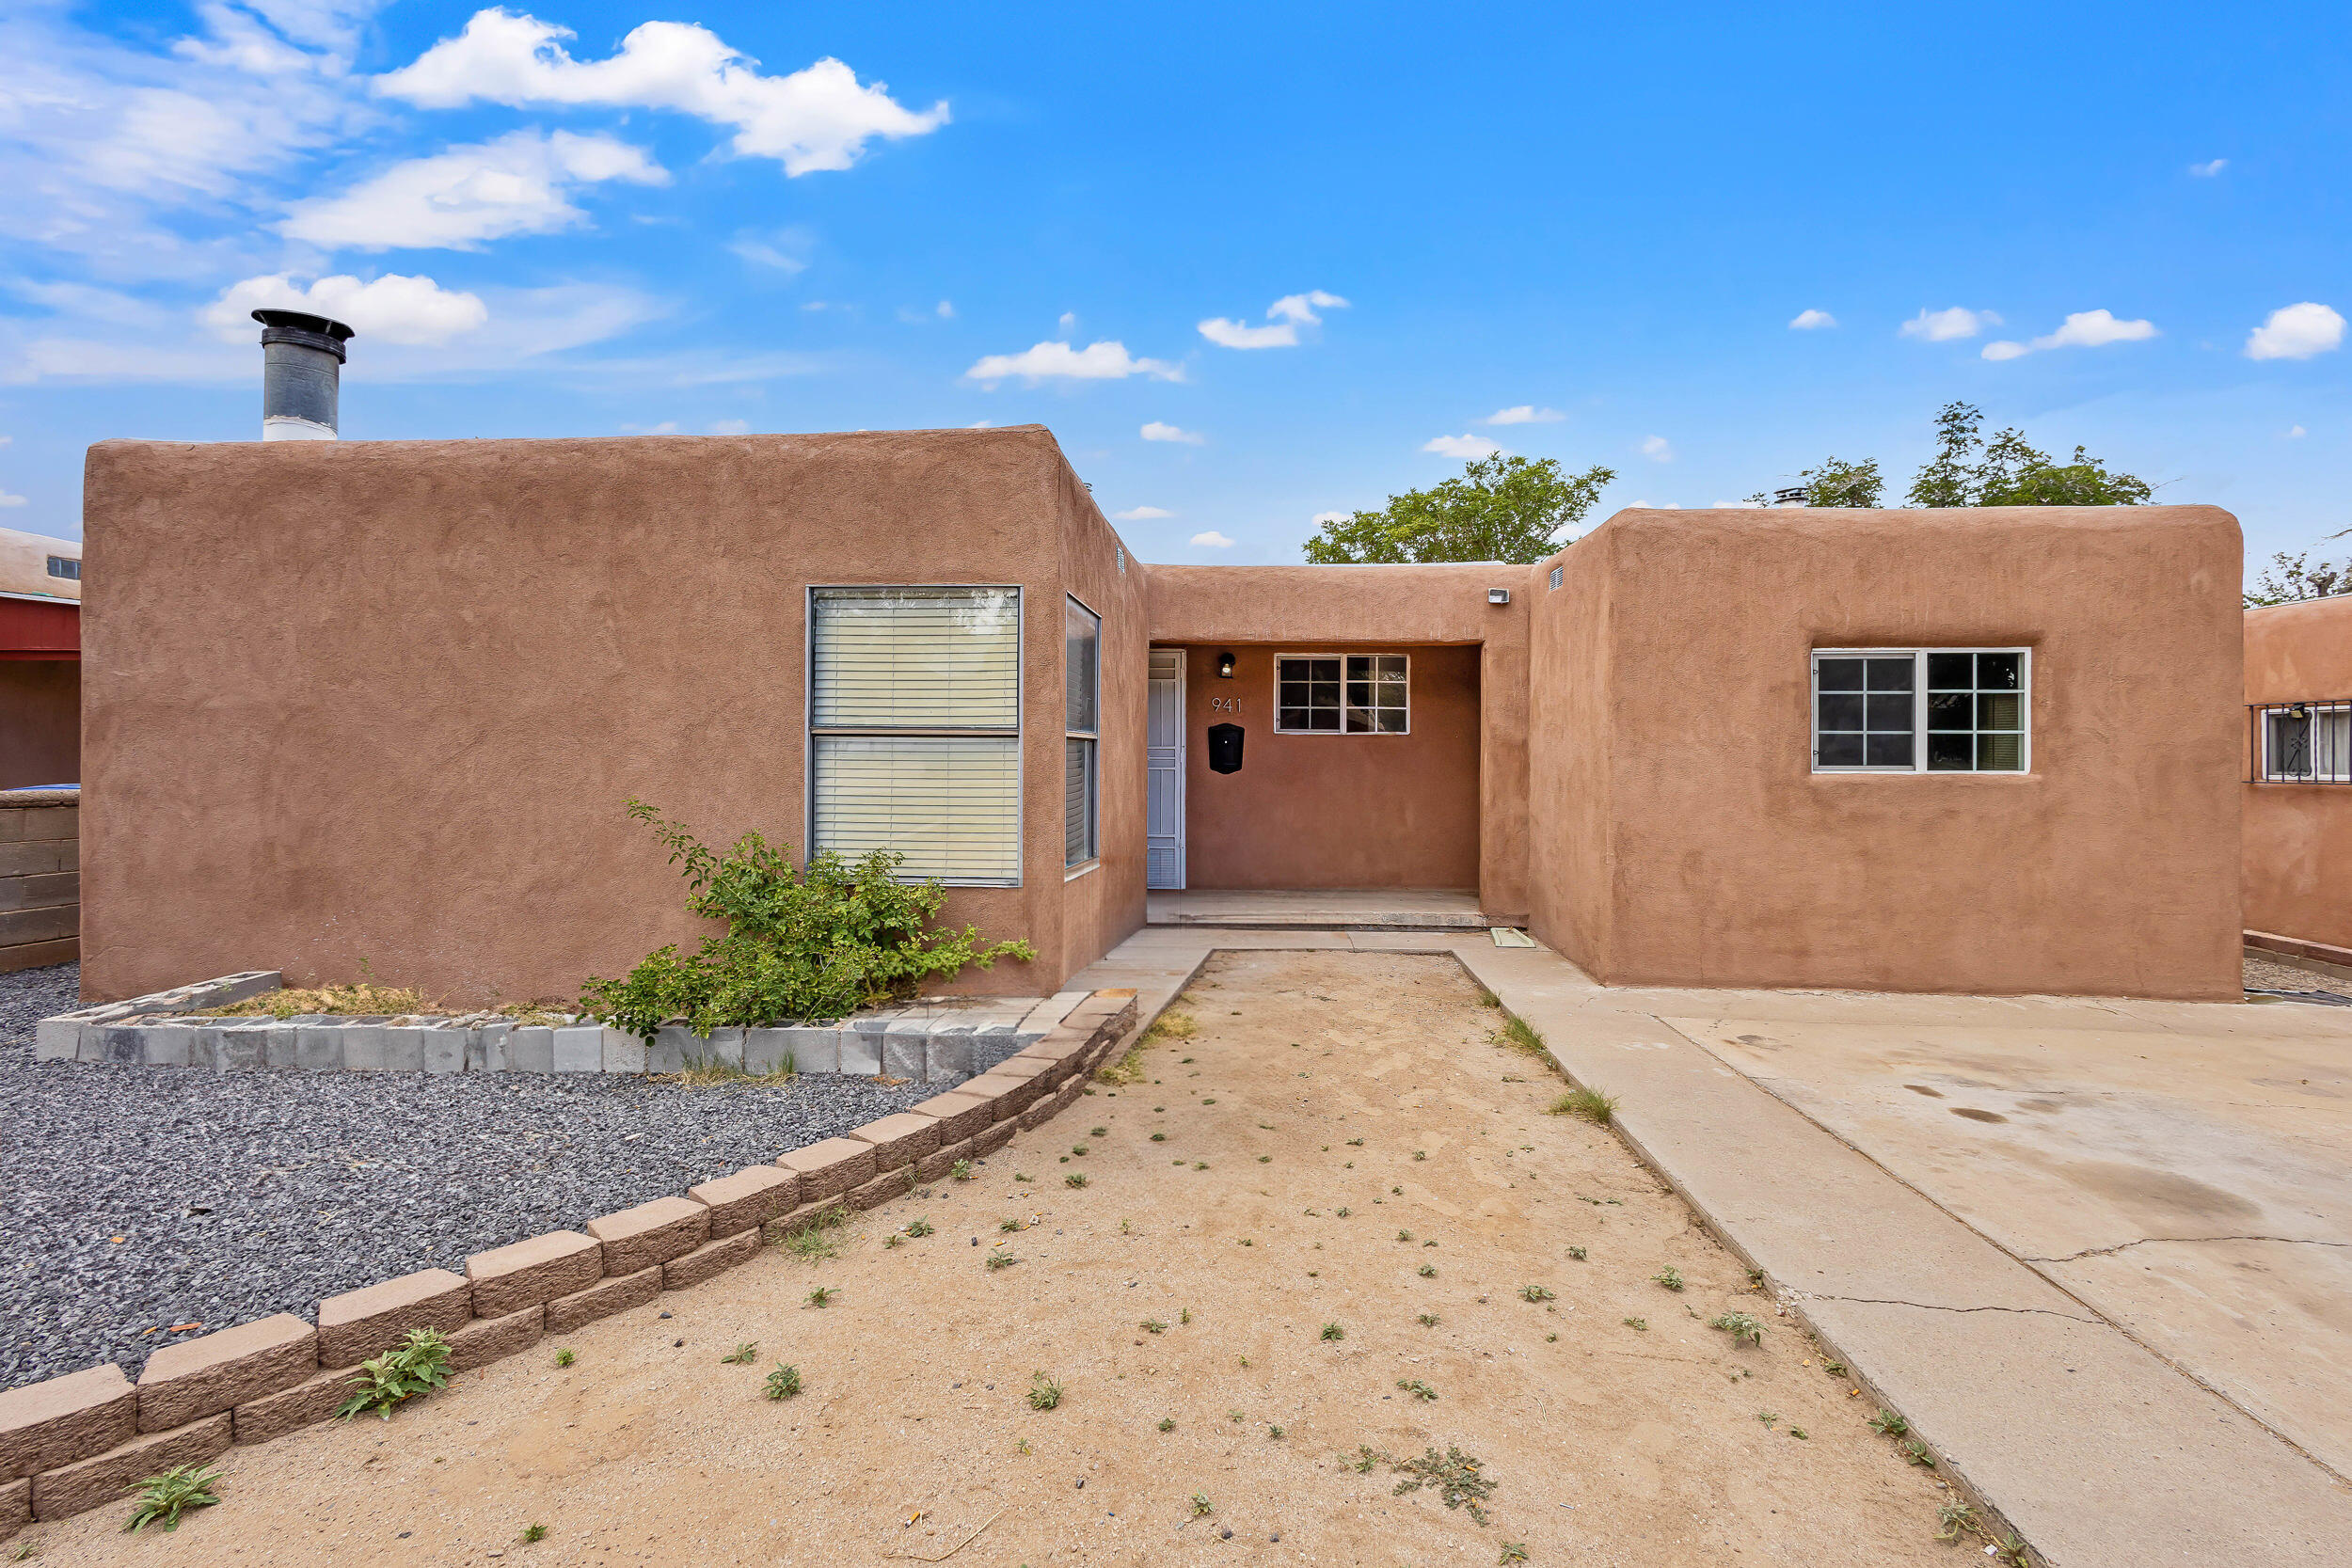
[{"x": 2300, "y": 743}]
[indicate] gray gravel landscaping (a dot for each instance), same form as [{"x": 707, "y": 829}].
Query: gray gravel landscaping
[{"x": 136, "y": 1198}]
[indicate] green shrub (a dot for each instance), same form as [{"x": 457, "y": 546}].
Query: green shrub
[
  {"x": 815, "y": 944},
  {"x": 163, "y": 1499},
  {"x": 418, "y": 1367}
]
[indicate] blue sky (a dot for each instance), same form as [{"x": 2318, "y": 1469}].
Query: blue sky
[{"x": 1317, "y": 251}]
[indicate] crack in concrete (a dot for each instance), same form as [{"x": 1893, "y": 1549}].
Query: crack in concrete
[
  {"x": 2125, "y": 1246},
  {"x": 1938, "y": 1306}
]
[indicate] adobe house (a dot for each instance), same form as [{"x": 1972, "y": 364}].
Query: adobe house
[
  {"x": 40, "y": 651},
  {"x": 2299, "y": 773},
  {"x": 382, "y": 703}
]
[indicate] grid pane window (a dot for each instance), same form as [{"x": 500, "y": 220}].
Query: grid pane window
[
  {"x": 1082, "y": 702},
  {"x": 1342, "y": 694},
  {"x": 2307, "y": 743},
  {"x": 914, "y": 707},
  {"x": 1920, "y": 710}
]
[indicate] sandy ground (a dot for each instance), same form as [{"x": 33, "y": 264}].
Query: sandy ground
[{"x": 1604, "y": 1443}]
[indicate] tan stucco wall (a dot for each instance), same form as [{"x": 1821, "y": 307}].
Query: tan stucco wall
[
  {"x": 2298, "y": 837},
  {"x": 1333, "y": 811},
  {"x": 40, "y": 722},
  {"x": 1103, "y": 906},
  {"x": 1314, "y": 607},
  {"x": 384, "y": 701},
  {"x": 24, "y": 564},
  {"x": 2110, "y": 867},
  {"x": 1571, "y": 852}
]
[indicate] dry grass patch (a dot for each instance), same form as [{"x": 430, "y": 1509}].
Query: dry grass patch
[{"x": 361, "y": 998}]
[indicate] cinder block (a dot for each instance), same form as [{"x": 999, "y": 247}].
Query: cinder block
[
  {"x": 373, "y": 1319},
  {"x": 725, "y": 1048},
  {"x": 404, "y": 1048},
  {"x": 487, "y": 1340},
  {"x": 830, "y": 1168},
  {"x": 579, "y": 1047},
  {"x": 524, "y": 1274},
  {"x": 861, "y": 1052},
  {"x": 623, "y": 1050},
  {"x": 55, "y": 1039},
  {"x": 650, "y": 1233},
  {"x": 486, "y": 1048},
  {"x": 94, "y": 1482},
  {"x": 363, "y": 1047},
  {"x": 959, "y": 1114},
  {"x": 65, "y": 1419},
  {"x": 712, "y": 1257},
  {"x": 319, "y": 1048},
  {"x": 217, "y": 1371},
  {"x": 889, "y": 1184},
  {"x": 905, "y": 1047},
  {"x": 603, "y": 1299},
  {"x": 117, "y": 1043},
  {"x": 815, "y": 1047},
  {"x": 446, "y": 1050},
  {"x": 281, "y": 1046},
  {"x": 273, "y": 1416},
  {"x": 747, "y": 1199},
  {"x": 947, "y": 1055},
  {"x": 238, "y": 1045},
  {"x": 899, "y": 1140},
  {"x": 766, "y": 1050},
  {"x": 670, "y": 1048},
  {"x": 167, "y": 1045},
  {"x": 531, "y": 1050}
]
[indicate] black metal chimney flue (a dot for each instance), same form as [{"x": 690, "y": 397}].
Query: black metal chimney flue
[{"x": 302, "y": 362}]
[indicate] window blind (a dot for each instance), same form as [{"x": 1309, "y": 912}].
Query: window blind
[
  {"x": 950, "y": 804},
  {"x": 916, "y": 658}
]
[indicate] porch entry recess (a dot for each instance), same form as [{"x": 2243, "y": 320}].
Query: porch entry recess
[{"x": 1164, "y": 772}]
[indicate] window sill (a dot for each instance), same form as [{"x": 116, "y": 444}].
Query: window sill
[{"x": 1077, "y": 871}]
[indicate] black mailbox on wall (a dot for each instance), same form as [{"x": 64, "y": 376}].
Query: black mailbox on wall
[{"x": 1224, "y": 748}]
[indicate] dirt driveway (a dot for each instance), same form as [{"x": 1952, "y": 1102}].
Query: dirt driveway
[{"x": 1261, "y": 1183}]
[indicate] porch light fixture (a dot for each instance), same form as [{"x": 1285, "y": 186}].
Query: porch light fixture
[
  {"x": 1225, "y": 666},
  {"x": 2298, "y": 710},
  {"x": 1498, "y": 595}
]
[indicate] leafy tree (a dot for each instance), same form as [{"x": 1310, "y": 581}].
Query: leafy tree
[
  {"x": 1500, "y": 508},
  {"x": 2290, "y": 578},
  {"x": 1839, "y": 482},
  {"x": 2007, "y": 470}
]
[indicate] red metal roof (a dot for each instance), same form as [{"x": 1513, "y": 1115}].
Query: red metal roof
[{"x": 32, "y": 627}]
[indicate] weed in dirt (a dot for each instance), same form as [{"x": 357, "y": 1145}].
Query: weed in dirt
[
  {"x": 362, "y": 998},
  {"x": 565, "y": 1359},
  {"x": 1198, "y": 1165},
  {"x": 1954, "y": 1520},
  {"x": 1421, "y": 1154},
  {"x": 1266, "y": 1159},
  {"x": 1535, "y": 1292},
  {"x": 1768, "y": 1417},
  {"x": 1232, "y": 1415},
  {"x": 419, "y": 1366},
  {"x": 1274, "y": 1431},
  {"x": 1427, "y": 1271},
  {"x": 1404, "y": 1235},
  {"x": 1019, "y": 1177},
  {"x": 1183, "y": 1315},
  {"x": 1835, "y": 1369},
  {"x": 741, "y": 1355},
  {"x": 1513, "y": 1551},
  {"x": 1887, "y": 1424},
  {"x": 782, "y": 1383},
  {"x": 1000, "y": 1260},
  {"x": 1740, "y": 1326},
  {"x": 1010, "y": 1223},
  {"x": 163, "y": 1499},
  {"x": 822, "y": 1296},
  {"x": 961, "y": 1170},
  {"x": 1044, "y": 1393},
  {"x": 1173, "y": 1025},
  {"x": 1916, "y": 1453},
  {"x": 920, "y": 1227},
  {"x": 1201, "y": 1507},
  {"x": 1798, "y": 1432},
  {"x": 1159, "y": 1137},
  {"x": 1153, "y": 1325},
  {"x": 1079, "y": 1149},
  {"x": 1428, "y": 1320},
  {"x": 1456, "y": 1477},
  {"x": 1363, "y": 1462},
  {"x": 534, "y": 1532},
  {"x": 1208, "y": 1102},
  {"x": 1396, "y": 1191},
  {"x": 1167, "y": 1423},
  {"x": 1333, "y": 1331},
  {"x": 1551, "y": 1339},
  {"x": 1756, "y": 1279},
  {"x": 1640, "y": 1326},
  {"x": 1590, "y": 1104},
  {"x": 1576, "y": 1253},
  {"x": 815, "y": 1241},
  {"x": 1343, "y": 1210},
  {"x": 1075, "y": 1179},
  {"x": 894, "y": 1239},
  {"x": 1669, "y": 1277},
  {"x": 1418, "y": 1389},
  {"x": 1354, "y": 1143},
  {"x": 1521, "y": 1036},
  {"x": 1488, "y": 998}
]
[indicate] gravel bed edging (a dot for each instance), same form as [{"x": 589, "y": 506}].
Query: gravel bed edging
[{"x": 81, "y": 1441}]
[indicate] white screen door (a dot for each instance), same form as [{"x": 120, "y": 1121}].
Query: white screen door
[{"x": 1163, "y": 751}]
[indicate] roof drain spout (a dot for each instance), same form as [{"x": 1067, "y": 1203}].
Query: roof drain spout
[{"x": 302, "y": 363}]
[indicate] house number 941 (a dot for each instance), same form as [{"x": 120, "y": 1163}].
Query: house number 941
[{"x": 1225, "y": 705}]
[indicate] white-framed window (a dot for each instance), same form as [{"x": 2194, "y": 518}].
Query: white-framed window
[
  {"x": 2306, "y": 742},
  {"x": 1342, "y": 694},
  {"x": 1922, "y": 710},
  {"x": 1082, "y": 731},
  {"x": 914, "y": 728}
]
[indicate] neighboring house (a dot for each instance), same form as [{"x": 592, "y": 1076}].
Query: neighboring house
[
  {"x": 384, "y": 701},
  {"x": 2299, "y": 773},
  {"x": 40, "y": 651}
]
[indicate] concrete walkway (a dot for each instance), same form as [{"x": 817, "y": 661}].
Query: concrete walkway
[
  {"x": 2113, "y": 1292},
  {"x": 1406, "y": 908}
]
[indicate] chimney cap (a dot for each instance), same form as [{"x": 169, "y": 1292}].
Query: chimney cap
[{"x": 300, "y": 326}]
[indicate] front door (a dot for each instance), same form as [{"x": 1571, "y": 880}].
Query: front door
[{"x": 1164, "y": 793}]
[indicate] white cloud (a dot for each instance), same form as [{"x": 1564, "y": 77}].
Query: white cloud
[
  {"x": 1658, "y": 449},
  {"x": 2295, "y": 433},
  {"x": 1941, "y": 327},
  {"x": 1287, "y": 314},
  {"x": 1213, "y": 540},
  {"x": 2206, "y": 171},
  {"x": 1068, "y": 324},
  {"x": 1103, "y": 361},
  {"x": 1526, "y": 413},
  {"x": 456, "y": 199},
  {"x": 1736, "y": 506},
  {"x": 1155, "y": 431},
  {"x": 1140, "y": 515},
  {"x": 667, "y": 427},
  {"x": 819, "y": 117},
  {"x": 1813, "y": 321},
  {"x": 945, "y": 312},
  {"x": 780, "y": 250},
  {"x": 2082, "y": 330},
  {"x": 731, "y": 427},
  {"x": 1460, "y": 446},
  {"x": 2295, "y": 332},
  {"x": 1323, "y": 517},
  {"x": 8, "y": 499},
  {"x": 395, "y": 309}
]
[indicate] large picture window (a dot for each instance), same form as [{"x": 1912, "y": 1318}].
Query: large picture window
[
  {"x": 1342, "y": 694},
  {"x": 914, "y": 728},
  {"x": 1082, "y": 702},
  {"x": 1921, "y": 710}
]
